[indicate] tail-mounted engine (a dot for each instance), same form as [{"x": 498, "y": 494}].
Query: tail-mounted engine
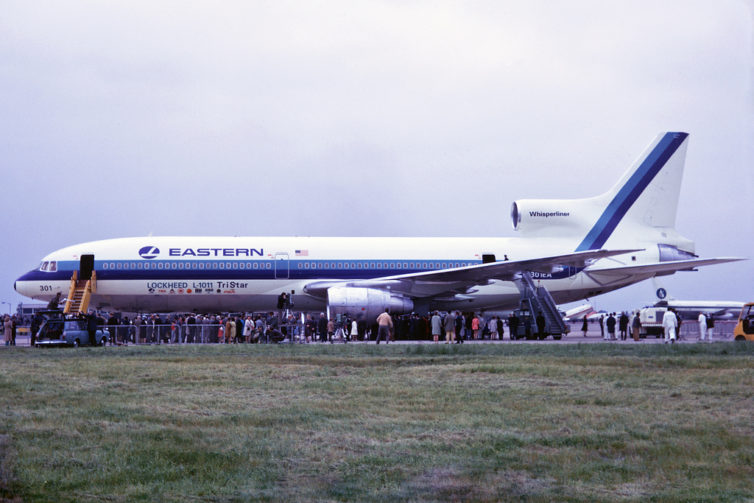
[{"x": 553, "y": 217}]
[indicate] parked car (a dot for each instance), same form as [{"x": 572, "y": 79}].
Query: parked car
[{"x": 71, "y": 332}]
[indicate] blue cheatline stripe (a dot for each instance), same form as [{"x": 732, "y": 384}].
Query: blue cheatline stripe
[
  {"x": 631, "y": 190},
  {"x": 252, "y": 270}
]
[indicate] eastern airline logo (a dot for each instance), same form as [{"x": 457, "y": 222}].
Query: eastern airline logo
[{"x": 149, "y": 252}]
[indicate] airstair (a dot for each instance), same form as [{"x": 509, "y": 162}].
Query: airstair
[
  {"x": 80, "y": 293},
  {"x": 536, "y": 300}
]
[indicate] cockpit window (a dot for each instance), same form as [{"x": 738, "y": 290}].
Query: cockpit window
[
  {"x": 53, "y": 266},
  {"x": 43, "y": 266}
]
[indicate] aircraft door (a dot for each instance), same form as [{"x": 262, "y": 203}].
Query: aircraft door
[
  {"x": 86, "y": 266},
  {"x": 282, "y": 266}
]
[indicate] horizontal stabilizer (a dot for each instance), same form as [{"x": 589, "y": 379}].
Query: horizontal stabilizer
[{"x": 663, "y": 267}]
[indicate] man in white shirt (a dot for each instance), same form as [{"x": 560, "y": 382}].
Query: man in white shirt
[{"x": 702, "y": 326}]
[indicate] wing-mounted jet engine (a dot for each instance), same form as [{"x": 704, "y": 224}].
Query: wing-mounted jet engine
[{"x": 365, "y": 303}]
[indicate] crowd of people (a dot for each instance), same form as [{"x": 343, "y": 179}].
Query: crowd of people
[
  {"x": 285, "y": 325},
  {"x": 671, "y": 326}
]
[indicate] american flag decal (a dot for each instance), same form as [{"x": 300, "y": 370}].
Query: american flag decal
[{"x": 302, "y": 253}]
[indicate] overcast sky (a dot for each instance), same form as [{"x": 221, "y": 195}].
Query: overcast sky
[{"x": 367, "y": 118}]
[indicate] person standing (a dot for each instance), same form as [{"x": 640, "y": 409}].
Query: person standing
[
  {"x": 13, "y": 325},
  {"x": 205, "y": 329},
  {"x": 450, "y": 327},
  {"x": 585, "y": 326},
  {"x": 322, "y": 327},
  {"x": 91, "y": 327},
  {"x": 7, "y": 328},
  {"x": 710, "y": 326},
  {"x": 513, "y": 325},
  {"x": 623, "y": 324},
  {"x": 601, "y": 321},
  {"x": 149, "y": 329},
  {"x": 309, "y": 328},
  {"x": 493, "y": 328},
  {"x": 436, "y": 324},
  {"x": 230, "y": 327},
  {"x": 670, "y": 324},
  {"x": 384, "y": 325},
  {"x": 636, "y": 326},
  {"x": 112, "y": 325},
  {"x": 460, "y": 322},
  {"x": 191, "y": 328},
  {"x": 482, "y": 326},
  {"x": 702, "y": 326},
  {"x": 180, "y": 324},
  {"x": 611, "y": 327},
  {"x": 248, "y": 327},
  {"x": 239, "y": 329},
  {"x": 36, "y": 322},
  {"x": 354, "y": 330},
  {"x": 330, "y": 330},
  {"x": 137, "y": 332},
  {"x": 540, "y": 320},
  {"x": 475, "y": 327}
]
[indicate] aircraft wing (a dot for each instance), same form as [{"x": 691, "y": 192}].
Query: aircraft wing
[{"x": 458, "y": 279}]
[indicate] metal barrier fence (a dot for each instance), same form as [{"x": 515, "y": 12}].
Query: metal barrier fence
[
  {"x": 722, "y": 331},
  {"x": 200, "y": 333}
]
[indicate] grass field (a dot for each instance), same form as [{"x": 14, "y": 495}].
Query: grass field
[{"x": 528, "y": 422}]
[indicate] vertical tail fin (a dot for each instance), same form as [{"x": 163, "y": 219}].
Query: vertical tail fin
[{"x": 646, "y": 195}]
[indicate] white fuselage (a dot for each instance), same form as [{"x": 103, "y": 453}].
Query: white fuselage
[{"x": 220, "y": 274}]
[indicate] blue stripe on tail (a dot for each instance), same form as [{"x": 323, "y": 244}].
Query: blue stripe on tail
[{"x": 631, "y": 190}]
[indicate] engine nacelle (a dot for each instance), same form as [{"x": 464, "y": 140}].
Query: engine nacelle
[
  {"x": 553, "y": 217},
  {"x": 365, "y": 303}
]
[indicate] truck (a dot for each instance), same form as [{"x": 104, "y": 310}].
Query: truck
[{"x": 651, "y": 321}]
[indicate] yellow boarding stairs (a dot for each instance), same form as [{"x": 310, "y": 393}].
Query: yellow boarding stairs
[{"x": 80, "y": 293}]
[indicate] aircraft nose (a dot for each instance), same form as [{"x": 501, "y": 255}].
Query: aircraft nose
[{"x": 21, "y": 285}]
